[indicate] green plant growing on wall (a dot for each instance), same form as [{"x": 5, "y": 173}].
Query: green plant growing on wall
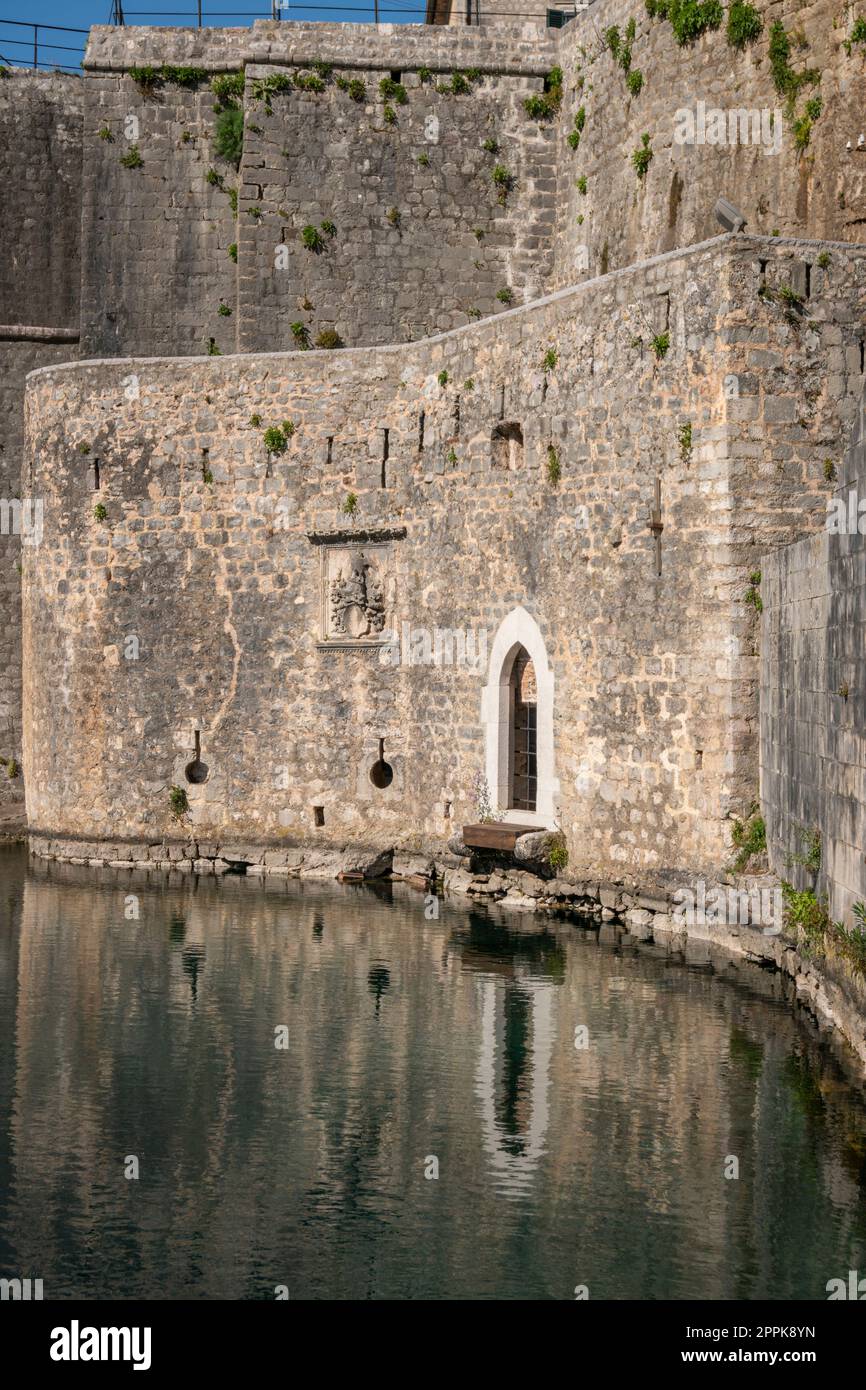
[
  {"x": 309, "y": 82},
  {"x": 389, "y": 90},
  {"x": 224, "y": 311},
  {"x": 544, "y": 106},
  {"x": 82, "y": 448},
  {"x": 490, "y": 146},
  {"x": 809, "y": 858},
  {"x": 214, "y": 179},
  {"x": 451, "y": 457},
  {"x": 660, "y": 345},
  {"x": 844, "y": 690},
  {"x": 787, "y": 82},
  {"x": 178, "y": 801},
  {"x": 255, "y": 213},
  {"x": 554, "y": 467},
  {"x": 749, "y": 838},
  {"x": 228, "y": 87},
  {"x": 228, "y": 139},
  {"x": 580, "y": 184},
  {"x": 829, "y": 471},
  {"x": 99, "y": 512},
  {"x": 686, "y": 442},
  {"x": 802, "y": 126},
  {"x": 233, "y": 200},
  {"x": 350, "y": 506},
  {"x": 132, "y": 159},
  {"x": 469, "y": 384},
  {"x": 612, "y": 39},
  {"x": 642, "y": 158},
  {"x": 12, "y": 769},
  {"x": 393, "y": 216},
  {"x": 313, "y": 240},
  {"x": 689, "y": 18},
  {"x": 389, "y": 115},
  {"x": 255, "y": 420},
  {"x": 505, "y": 295},
  {"x": 634, "y": 82},
  {"x": 329, "y": 338},
  {"x": 549, "y": 360},
  {"x": 233, "y": 251},
  {"x": 503, "y": 180},
  {"x": 105, "y": 134},
  {"x": 276, "y": 437},
  {"x": 478, "y": 233},
  {"x": 858, "y": 35},
  {"x": 752, "y": 595},
  {"x": 442, "y": 378},
  {"x": 212, "y": 349},
  {"x": 424, "y": 159},
  {"x": 557, "y": 854},
  {"x": 577, "y": 131},
  {"x": 744, "y": 24},
  {"x": 301, "y": 335},
  {"x": 357, "y": 89}
]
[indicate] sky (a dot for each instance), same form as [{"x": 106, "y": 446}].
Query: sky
[{"x": 63, "y": 47}]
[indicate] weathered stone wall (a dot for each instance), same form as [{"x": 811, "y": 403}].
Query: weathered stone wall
[
  {"x": 205, "y": 558},
  {"x": 813, "y": 696},
  {"x": 422, "y": 242},
  {"x": 40, "y": 171},
  {"x": 819, "y": 191}
]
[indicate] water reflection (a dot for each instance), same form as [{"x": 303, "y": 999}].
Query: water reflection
[{"x": 409, "y": 1039}]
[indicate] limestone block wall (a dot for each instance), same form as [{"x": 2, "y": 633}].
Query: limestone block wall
[
  {"x": 200, "y": 602},
  {"x": 40, "y": 213},
  {"x": 813, "y": 696},
  {"x": 817, "y": 191},
  {"x": 420, "y": 244}
]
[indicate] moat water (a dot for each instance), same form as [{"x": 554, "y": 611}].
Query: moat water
[{"x": 414, "y": 1046}]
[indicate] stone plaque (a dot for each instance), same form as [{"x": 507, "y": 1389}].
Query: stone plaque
[{"x": 356, "y": 594}]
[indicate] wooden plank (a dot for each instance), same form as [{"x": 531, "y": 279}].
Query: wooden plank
[{"x": 494, "y": 835}]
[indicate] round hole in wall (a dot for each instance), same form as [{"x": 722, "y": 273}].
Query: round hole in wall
[
  {"x": 196, "y": 771},
  {"x": 381, "y": 774}
]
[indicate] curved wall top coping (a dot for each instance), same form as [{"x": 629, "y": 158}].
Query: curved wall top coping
[
  {"x": 731, "y": 241},
  {"x": 519, "y": 50}
]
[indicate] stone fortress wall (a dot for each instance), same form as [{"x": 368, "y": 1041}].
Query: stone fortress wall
[
  {"x": 40, "y": 271},
  {"x": 813, "y": 695},
  {"x": 213, "y": 556},
  {"x": 422, "y": 245}
]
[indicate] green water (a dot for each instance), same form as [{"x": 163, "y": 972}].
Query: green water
[{"x": 414, "y": 1045}]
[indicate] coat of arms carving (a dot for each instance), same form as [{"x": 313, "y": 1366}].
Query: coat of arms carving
[{"x": 355, "y": 597}]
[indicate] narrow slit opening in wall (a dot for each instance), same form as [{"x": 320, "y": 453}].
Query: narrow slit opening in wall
[
  {"x": 97, "y": 483},
  {"x": 386, "y": 446},
  {"x": 862, "y": 355},
  {"x": 396, "y": 76},
  {"x": 808, "y": 285},
  {"x": 699, "y": 758},
  {"x": 330, "y": 448},
  {"x": 318, "y": 815},
  {"x": 421, "y": 430},
  {"x": 502, "y": 402},
  {"x": 762, "y": 266},
  {"x": 205, "y": 464}
]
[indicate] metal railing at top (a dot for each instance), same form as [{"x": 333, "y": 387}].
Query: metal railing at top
[
  {"x": 31, "y": 44},
  {"x": 28, "y": 47}
]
